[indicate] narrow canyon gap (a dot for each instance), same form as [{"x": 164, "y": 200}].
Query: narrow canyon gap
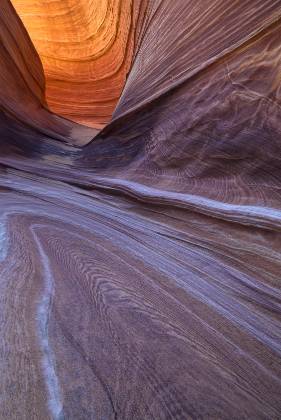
[{"x": 140, "y": 209}]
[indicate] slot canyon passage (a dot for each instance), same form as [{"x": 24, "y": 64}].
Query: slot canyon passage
[{"x": 140, "y": 209}]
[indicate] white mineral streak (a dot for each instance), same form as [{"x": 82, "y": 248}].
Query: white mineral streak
[{"x": 43, "y": 314}]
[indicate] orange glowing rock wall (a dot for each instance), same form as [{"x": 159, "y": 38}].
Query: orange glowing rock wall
[
  {"x": 22, "y": 84},
  {"x": 86, "y": 48}
]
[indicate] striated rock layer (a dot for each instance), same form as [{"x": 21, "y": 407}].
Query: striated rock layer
[
  {"x": 86, "y": 48},
  {"x": 140, "y": 266}
]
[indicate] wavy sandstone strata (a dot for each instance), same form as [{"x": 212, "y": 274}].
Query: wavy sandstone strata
[
  {"x": 140, "y": 266},
  {"x": 86, "y": 48}
]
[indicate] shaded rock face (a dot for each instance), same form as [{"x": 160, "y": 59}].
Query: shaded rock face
[{"x": 140, "y": 264}]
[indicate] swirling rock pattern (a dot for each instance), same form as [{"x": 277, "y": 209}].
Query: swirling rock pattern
[
  {"x": 140, "y": 266},
  {"x": 86, "y": 48}
]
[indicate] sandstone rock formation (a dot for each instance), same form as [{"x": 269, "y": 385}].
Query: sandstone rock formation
[
  {"x": 140, "y": 260},
  {"x": 86, "y": 48}
]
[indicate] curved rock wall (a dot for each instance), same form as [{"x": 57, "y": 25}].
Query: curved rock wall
[
  {"x": 22, "y": 83},
  {"x": 140, "y": 266},
  {"x": 86, "y": 48}
]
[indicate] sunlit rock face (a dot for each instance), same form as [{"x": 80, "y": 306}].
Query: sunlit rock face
[
  {"x": 140, "y": 264},
  {"x": 86, "y": 48},
  {"x": 23, "y": 87}
]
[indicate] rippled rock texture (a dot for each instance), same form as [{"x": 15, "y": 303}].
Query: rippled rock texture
[
  {"x": 86, "y": 48},
  {"x": 140, "y": 258}
]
